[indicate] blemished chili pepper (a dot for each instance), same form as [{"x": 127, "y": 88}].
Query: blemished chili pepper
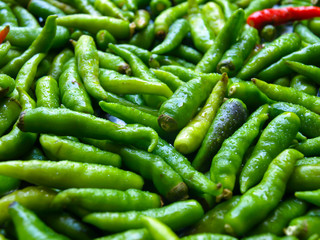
[
  {"x": 227, "y": 162},
  {"x": 38, "y": 199},
  {"x": 230, "y": 116},
  {"x": 275, "y": 138},
  {"x": 303, "y": 227},
  {"x": 3, "y": 33},
  {"x": 176, "y": 215},
  {"x": 239, "y": 220},
  {"x": 282, "y": 15},
  {"x": 29, "y": 226}
]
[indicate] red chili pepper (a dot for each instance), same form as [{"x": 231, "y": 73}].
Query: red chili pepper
[
  {"x": 277, "y": 16},
  {"x": 4, "y": 32}
]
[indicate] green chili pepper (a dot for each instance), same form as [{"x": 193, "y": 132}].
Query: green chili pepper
[
  {"x": 303, "y": 227},
  {"x": 68, "y": 122},
  {"x": 111, "y": 80},
  {"x": 23, "y": 37},
  {"x": 16, "y": 139},
  {"x": 303, "y": 84},
  {"x": 113, "y": 62},
  {"x": 176, "y": 33},
  {"x": 38, "y": 199},
  {"x": 227, "y": 162},
  {"x": 309, "y": 196},
  {"x": 27, "y": 73},
  {"x": 230, "y": 116},
  {"x": 119, "y": 28},
  {"x": 234, "y": 58},
  {"x": 165, "y": 19},
  {"x": 29, "y": 226},
  {"x": 47, "y": 92},
  {"x": 73, "y": 94},
  {"x": 43, "y": 9},
  {"x": 143, "y": 38},
  {"x": 7, "y": 85},
  {"x": 228, "y": 8},
  {"x": 187, "y": 53},
  {"x": 141, "y": 19},
  {"x": 176, "y": 215},
  {"x": 67, "y": 9},
  {"x": 8, "y": 184},
  {"x": 201, "y": 36},
  {"x": 64, "y": 149},
  {"x": 4, "y": 48},
  {"x": 132, "y": 115},
  {"x": 69, "y": 226},
  {"x": 190, "y": 137},
  {"x": 226, "y": 37},
  {"x": 213, "y": 220},
  {"x": 195, "y": 180},
  {"x": 9, "y": 113},
  {"x": 158, "y": 6},
  {"x": 305, "y": 34},
  {"x": 275, "y": 138},
  {"x": 58, "y": 62},
  {"x": 101, "y": 200},
  {"x": 7, "y": 17},
  {"x": 140, "y": 70},
  {"x": 271, "y": 53},
  {"x": 25, "y": 18},
  {"x": 186, "y": 74},
  {"x": 304, "y": 177},
  {"x": 213, "y": 17},
  {"x": 71, "y": 174},
  {"x": 158, "y": 230},
  {"x": 280, "y": 217},
  {"x": 108, "y": 8},
  {"x": 168, "y": 78},
  {"x": 12, "y": 53},
  {"x": 291, "y": 95},
  {"x": 279, "y": 69},
  {"x": 142, "y": 234},
  {"x": 310, "y": 147},
  {"x": 103, "y": 38},
  {"x": 179, "y": 109},
  {"x": 249, "y": 94},
  {"x": 40, "y": 45},
  {"x": 85, "y": 6},
  {"x": 240, "y": 219},
  {"x": 310, "y": 71}
]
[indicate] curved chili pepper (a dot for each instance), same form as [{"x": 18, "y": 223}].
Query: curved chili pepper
[{"x": 282, "y": 15}]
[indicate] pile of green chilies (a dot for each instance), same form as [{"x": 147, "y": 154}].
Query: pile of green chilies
[{"x": 159, "y": 119}]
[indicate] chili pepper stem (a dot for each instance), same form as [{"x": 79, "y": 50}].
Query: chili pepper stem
[{"x": 292, "y": 231}]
